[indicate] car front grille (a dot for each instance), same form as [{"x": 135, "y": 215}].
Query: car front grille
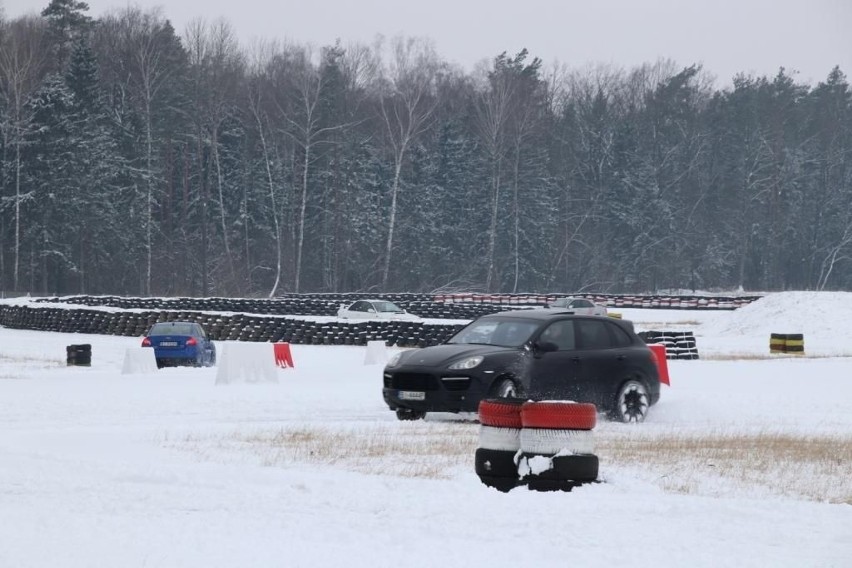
[
  {"x": 456, "y": 383},
  {"x": 412, "y": 381}
]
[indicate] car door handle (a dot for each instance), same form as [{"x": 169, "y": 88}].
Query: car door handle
[
  {"x": 620, "y": 358},
  {"x": 575, "y": 359}
]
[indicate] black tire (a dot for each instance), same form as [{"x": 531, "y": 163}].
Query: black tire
[
  {"x": 409, "y": 414},
  {"x": 551, "y": 485},
  {"x": 631, "y": 403},
  {"x": 578, "y": 468},
  {"x": 497, "y": 469},
  {"x": 496, "y": 463},
  {"x": 502, "y": 484}
]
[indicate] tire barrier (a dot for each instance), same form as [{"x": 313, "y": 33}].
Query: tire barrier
[
  {"x": 787, "y": 343},
  {"x": 609, "y": 300},
  {"x": 495, "y": 461},
  {"x": 545, "y": 445},
  {"x": 79, "y": 355},
  {"x": 557, "y": 445},
  {"x": 273, "y": 319},
  {"x": 233, "y": 327},
  {"x": 446, "y": 306},
  {"x": 679, "y": 344}
]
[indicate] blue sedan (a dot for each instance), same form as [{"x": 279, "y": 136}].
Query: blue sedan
[{"x": 180, "y": 343}]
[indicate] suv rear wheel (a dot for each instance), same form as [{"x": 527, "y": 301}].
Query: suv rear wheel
[{"x": 631, "y": 402}]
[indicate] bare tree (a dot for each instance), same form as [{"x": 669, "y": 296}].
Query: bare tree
[
  {"x": 257, "y": 94},
  {"x": 216, "y": 62},
  {"x": 494, "y": 109},
  {"x": 836, "y": 253},
  {"x": 145, "y": 68},
  {"x": 309, "y": 131},
  {"x": 23, "y": 56},
  {"x": 407, "y": 104}
]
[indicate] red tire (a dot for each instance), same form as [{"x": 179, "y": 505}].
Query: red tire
[
  {"x": 500, "y": 412},
  {"x": 560, "y": 414}
]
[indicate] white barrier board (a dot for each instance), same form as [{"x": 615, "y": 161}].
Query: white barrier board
[
  {"x": 246, "y": 362},
  {"x": 377, "y": 352},
  {"x": 139, "y": 360}
]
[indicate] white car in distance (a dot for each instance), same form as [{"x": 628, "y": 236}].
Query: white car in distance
[
  {"x": 375, "y": 309},
  {"x": 579, "y": 306}
]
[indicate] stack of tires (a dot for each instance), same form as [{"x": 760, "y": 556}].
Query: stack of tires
[
  {"x": 557, "y": 450},
  {"x": 78, "y": 355},
  {"x": 499, "y": 442}
]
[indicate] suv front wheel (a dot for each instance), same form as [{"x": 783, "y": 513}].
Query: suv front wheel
[
  {"x": 505, "y": 388},
  {"x": 409, "y": 414}
]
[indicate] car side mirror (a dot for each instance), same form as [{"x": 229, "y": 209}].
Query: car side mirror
[{"x": 546, "y": 346}]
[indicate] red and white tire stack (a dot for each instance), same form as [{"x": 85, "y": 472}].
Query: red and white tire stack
[
  {"x": 557, "y": 450},
  {"x": 499, "y": 442}
]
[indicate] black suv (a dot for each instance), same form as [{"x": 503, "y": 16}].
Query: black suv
[{"x": 538, "y": 354}]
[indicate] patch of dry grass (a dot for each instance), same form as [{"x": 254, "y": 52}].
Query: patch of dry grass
[
  {"x": 413, "y": 449},
  {"x": 812, "y": 467},
  {"x": 817, "y": 468},
  {"x": 419, "y": 450}
]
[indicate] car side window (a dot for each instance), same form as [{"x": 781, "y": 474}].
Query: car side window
[
  {"x": 561, "y": 333},
  {"x": 593, "y": 334},
  {"x": 620, "y": 338},
  {"x": 359, "y": 306}
]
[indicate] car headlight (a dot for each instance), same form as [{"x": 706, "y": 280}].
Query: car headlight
[
  {"x": 394, "y": 360},
  {"x": 468, "y": 363}
]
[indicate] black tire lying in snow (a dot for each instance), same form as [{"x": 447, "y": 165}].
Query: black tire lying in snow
[
  {"x": 565, "y": 472},
  {"x": 497, "y": 468}
]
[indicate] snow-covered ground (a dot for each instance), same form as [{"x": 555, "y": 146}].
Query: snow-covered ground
[{"x": 169, "y": 469}]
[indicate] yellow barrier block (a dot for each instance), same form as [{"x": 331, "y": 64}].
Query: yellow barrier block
[{"x": 787, "y": 343}]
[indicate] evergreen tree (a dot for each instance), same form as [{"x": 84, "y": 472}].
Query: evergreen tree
[{"x": 67, "y": 24}]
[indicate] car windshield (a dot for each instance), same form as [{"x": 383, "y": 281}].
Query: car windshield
[
  {"x": 503, "y": 333},
  {"x": 386, "y": 307},
  {"x": 171, "y": 329}
]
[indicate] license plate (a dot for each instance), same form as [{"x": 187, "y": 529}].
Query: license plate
[
  {"x": 412, "y": 395},
  {"x": 168, "y": 344}
]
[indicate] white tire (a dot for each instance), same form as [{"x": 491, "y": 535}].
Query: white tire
[
  {"x": 551, "y": 442},
  {"x": 505, "y": 439}
]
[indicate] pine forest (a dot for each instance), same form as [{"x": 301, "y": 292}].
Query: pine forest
[{"x": 136, "y": 159}]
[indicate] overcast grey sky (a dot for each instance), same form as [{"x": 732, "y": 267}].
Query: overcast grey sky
[{"x": 726, "y": 36}]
